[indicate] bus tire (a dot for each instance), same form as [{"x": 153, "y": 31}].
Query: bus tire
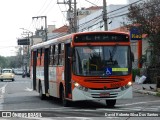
[
  {"x": 41, "y": 95},
  {"x": 65, "y": 102},
  {"x": 110, "y": 103}
]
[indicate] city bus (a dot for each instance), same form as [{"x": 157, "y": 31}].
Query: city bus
[{"x": 83, "y": 66}]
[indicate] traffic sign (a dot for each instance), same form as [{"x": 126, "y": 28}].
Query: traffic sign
[
  {"x": 23, "y": 42},
  {"x": 135, "y": 34}
]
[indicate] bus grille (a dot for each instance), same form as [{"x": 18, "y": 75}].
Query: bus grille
[
  {"x": 104, "y": 80},
  {"x": 111, "y": 95}
]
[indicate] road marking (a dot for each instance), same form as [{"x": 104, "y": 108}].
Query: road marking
[
  {"x": 28, "y": 89},
  {"x": 2, "y": 91},
  {"x": 39, "y": 109},
  {"x": 79, "y": 118},
  {"x": 138, "y": 103}
]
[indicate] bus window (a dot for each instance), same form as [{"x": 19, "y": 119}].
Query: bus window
[
  {"x": 56, "y": 55},
  {"x": 51, "y": 55},
  {"x": 93, "y": 61},
  {"x": 41, "y": 56},
  {"x": 61, "y": 54},
  {"x": 38, "y": 57}
]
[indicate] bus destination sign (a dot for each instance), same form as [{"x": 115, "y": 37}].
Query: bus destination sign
[{"x": 101, "y": 38}]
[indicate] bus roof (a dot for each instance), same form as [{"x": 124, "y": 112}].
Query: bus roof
[{"x": 69, "y": 37}]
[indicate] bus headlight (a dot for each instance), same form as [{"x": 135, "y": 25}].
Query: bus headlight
[
  {"x": 128, "y": 85},
  {"x": 77, "y": 85}
]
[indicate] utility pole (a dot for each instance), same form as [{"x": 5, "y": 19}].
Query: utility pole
[
  {"x": 26, "y": 56},
  {"x": 45, "y": 17},
  {"x": 75, "y": 16},
  {"x": 105, "y": 15},
  {"x": 71, "y": 15}
]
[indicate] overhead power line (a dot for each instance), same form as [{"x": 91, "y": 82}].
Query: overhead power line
[
  {"x": 42, "y": 7},
  {"x": 124, "y": 6},
  {"x": 133, "y": 10},
  {"x": 114, "y": 14},
  {"x": 91, "y": 3},
  {"x": 109, "y": 12}
]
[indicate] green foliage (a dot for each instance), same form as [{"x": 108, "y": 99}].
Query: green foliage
[
  {"x": 145, "y": 16},
  {"x": 10, "y": 62},
  {"x": 135, "y": 72},
  {"x": 3, "y": 62}
]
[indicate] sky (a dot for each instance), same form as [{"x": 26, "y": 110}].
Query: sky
[{"x": 17, "y": 14}]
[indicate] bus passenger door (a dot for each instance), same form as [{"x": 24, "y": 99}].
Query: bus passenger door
[
  {"x": 67, "y": 74},
  {"x": 34, "y": 68},
  {"x": 46, "y": 67}
]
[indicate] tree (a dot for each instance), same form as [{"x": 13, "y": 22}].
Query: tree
[
  {"x": 145, "y": 16},
  {"x": 12, "y": 61},
  {"x": 3, "y": 62}
]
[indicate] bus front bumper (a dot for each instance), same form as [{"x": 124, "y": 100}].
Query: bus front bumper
[{"x": 80, "y": 95}]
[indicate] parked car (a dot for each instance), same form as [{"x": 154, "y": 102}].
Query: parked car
[
  {"x": 7, "y": 74},
  {"x": 18, "y": 71}
]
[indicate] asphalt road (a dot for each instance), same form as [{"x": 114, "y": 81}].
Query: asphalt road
[{"x": 20, "y": 101}]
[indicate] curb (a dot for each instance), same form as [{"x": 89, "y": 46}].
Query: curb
[{"x": 145, "y": 92}]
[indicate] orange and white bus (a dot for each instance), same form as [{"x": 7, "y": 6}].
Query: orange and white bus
[{"x": 83, "y": 66}]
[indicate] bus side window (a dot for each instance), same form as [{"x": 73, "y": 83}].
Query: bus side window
[
  {"x": 38, "y": 57},
  {"x": 41, "y": 56},
  {"x": 56, "y": 55},
  {"x": 61, "y": 53},
  {"x": 51, "y": 53}
]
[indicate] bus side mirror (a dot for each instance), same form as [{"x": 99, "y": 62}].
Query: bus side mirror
[{"x": 132, "y": 57}]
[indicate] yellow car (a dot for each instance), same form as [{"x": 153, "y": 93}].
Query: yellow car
[{"x": 7, "y": 74}]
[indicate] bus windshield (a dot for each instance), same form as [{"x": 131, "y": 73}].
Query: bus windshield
[{"x": 101, "y": 60}]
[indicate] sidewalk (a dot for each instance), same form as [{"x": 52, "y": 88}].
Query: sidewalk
[{"x": 145, "y": 88}]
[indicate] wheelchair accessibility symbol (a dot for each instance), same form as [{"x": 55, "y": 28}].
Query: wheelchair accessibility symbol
[{"x": 108, "y": 71}]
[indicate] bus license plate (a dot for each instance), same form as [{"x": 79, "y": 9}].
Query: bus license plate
[
  {"x": 104, "y": 95},
  {"x": 115, "y": 85}
]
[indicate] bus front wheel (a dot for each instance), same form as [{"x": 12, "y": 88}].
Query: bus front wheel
[{"x": 110, "y": 103}]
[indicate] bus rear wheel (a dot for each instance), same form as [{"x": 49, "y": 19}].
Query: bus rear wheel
[
  {"x": 110, "y": 103},
  {"x": 65, "y": 102}
]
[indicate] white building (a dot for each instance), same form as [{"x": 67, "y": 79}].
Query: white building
[{"x": 94, "y": 21}]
